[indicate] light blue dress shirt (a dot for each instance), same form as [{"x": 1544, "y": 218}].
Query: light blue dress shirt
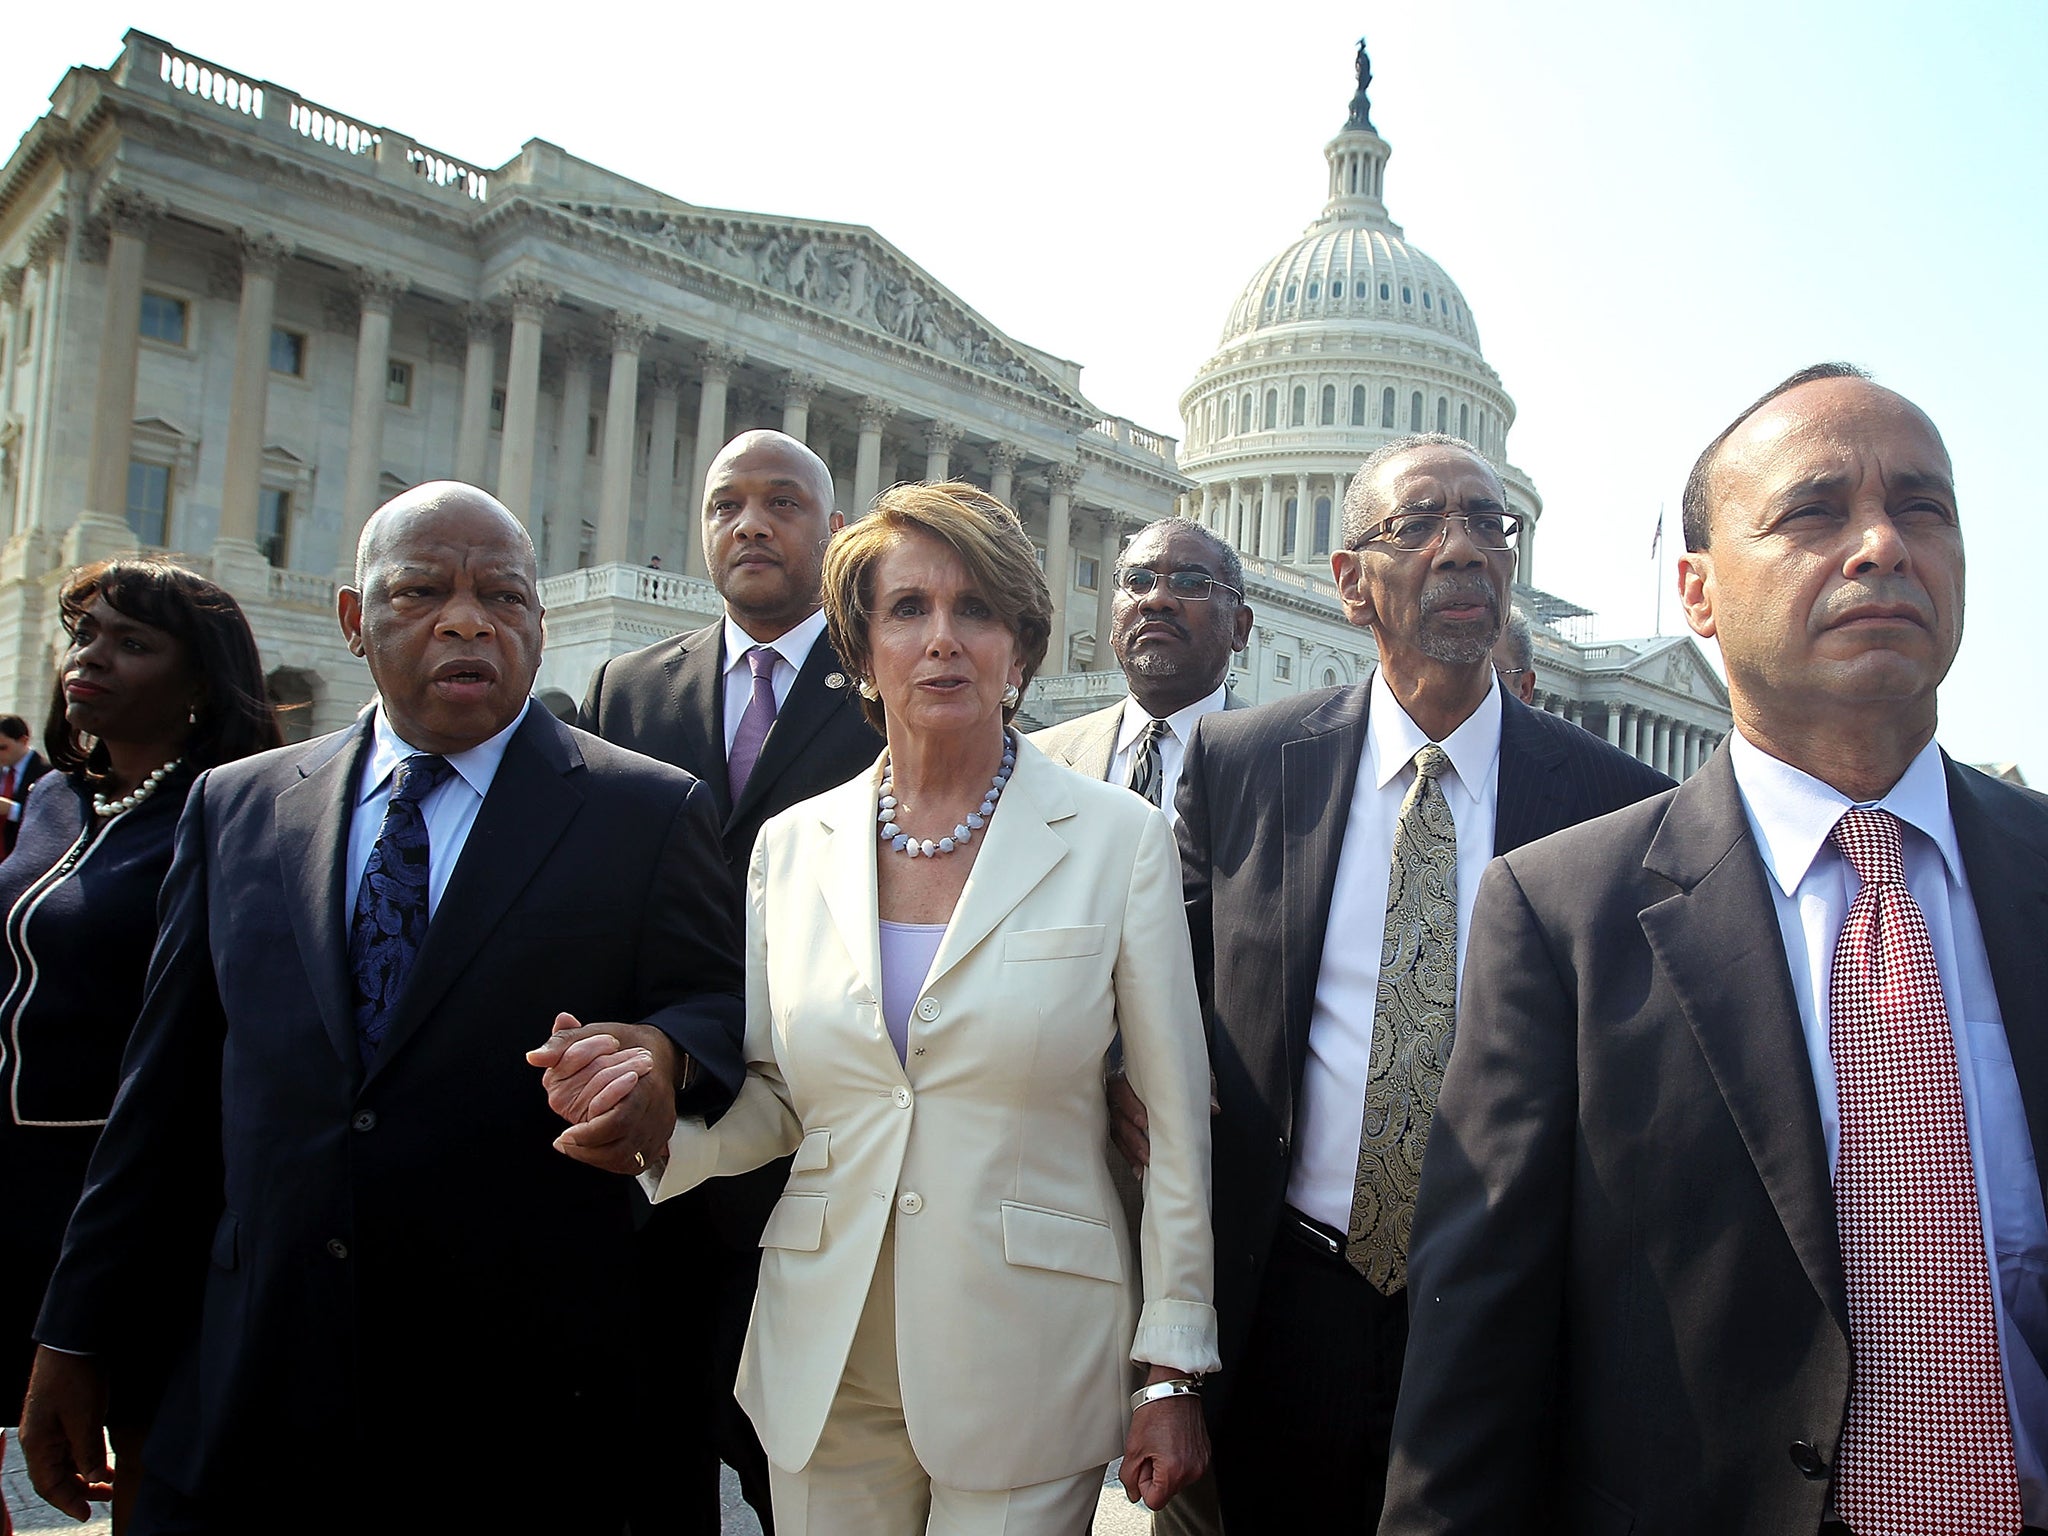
[{"x": 1812, "y": 884}]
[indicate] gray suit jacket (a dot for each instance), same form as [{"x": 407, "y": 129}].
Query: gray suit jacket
[
  {"x": 1629, "y": 1312},
  {"x": 1087, "y": 743}
]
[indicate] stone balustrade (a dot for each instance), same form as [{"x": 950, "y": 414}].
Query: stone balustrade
[{"x": 633, "y": 583}]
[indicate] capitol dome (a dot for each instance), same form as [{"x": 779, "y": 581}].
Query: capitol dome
[{"x": 1349, "y": 337}]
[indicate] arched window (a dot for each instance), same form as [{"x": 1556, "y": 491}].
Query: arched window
[
  {"x": 1287, "y": 529},
  {"x": 1272, "y": 296},
  {"x": 1407, "y": 294},
  {"x": 1244, "y": 413},
  {"x": 1272, "y": 409},
  {"x": 1226, "y": 416},
  {"x": 1358, "y": 405},
  {"x": 1387, "y": 408},
  {"x": 1322, "y": 546},
  {"x": 1336, "y": 287},
  {"x": 1415, "y": 411},
  {"x": 1425, "y": 299},
  {"x": 1443, "y": 414},
  {"x": 1465, "y": 421},
  {"x": 1298, "y": 416},
  {"x": 1329, "y": 405},
  {"x": 1290, "y": 293},
  {"x": 1385, "y": 293},
  {"x": 1315, "y": 289}
]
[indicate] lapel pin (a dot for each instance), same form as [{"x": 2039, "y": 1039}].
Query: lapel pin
[
  {"x": 918, "y": 1052},
  {"x": 835, "y": 679}
]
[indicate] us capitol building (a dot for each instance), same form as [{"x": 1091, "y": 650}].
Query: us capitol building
[{"x": 233, "y": 321}]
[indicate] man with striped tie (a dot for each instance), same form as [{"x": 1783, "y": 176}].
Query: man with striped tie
[
  {"x": 1178, "y": 617},
  {"x": 1732, "y": 1219}
]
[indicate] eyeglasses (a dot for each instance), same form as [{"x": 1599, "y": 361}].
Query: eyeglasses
[
  {"x": 1188, "y": 586},
  {"x": 1413, "y": 532},
  {"x": 1510, "y": 671}
]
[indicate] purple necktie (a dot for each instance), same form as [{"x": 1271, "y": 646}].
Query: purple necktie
[{"x": 746, "y": 743}]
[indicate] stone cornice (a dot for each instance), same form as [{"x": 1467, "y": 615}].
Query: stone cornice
[{"x": 614, "y": 232}]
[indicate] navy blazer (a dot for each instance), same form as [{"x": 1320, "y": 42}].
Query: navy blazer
[{"x": 378, "y": 1266}]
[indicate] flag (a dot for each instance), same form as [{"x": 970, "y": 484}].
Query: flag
[{"x": 1657, "y": 539}]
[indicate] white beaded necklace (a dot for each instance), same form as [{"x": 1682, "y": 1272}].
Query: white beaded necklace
[
  {"x": 963, "y": 834},
  {"x": 102, "y": 806}
]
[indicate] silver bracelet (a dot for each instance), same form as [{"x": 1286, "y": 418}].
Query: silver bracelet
[{"x": 1179, "y": 1386}]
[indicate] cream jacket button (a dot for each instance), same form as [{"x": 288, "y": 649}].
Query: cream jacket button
[
  {"x": 902, "y": 1097},
  {"x": 910, "y": 1203},
  {"x": 928, "y": 1009}
]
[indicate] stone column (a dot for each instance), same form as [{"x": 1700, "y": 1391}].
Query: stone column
[
  {"x": 1105, "y": 589},
  {"x": 1304, "y": 524},
  {"x": 234, "y": 551},
  {"x": 1233, "y": 517},
  {"x": 564, "y": 531},
  {"x": 716, "y": 375},
  {"x": 867, "y": 465},
  {"x": 530, "y": 300},
  {"x": 798, "y": 391},
  {"x": 1614, "y": 725},
  {"x": 629, "y": 333},
  {"x": 1208, "y": 516},
  {"x": 377, "y": 294},
  {"x": 1269, "y": 519},
  {"x": 479, "y": 374},
  {"x": 659, "y": 528},
  {"x": 130, "y": 217},
  {"x": 939, "y": 438},
  {"x": 1660, "y": 745},
  {"x": 1059, "y": 566},
  {"x": 1002, "y": 472}
]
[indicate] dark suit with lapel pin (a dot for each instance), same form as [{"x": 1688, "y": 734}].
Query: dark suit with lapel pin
[
  {"x": 668, "y": 701},
  {"x": 1628, "y": 1281},
  {"x": 390, "y": 1275},
  {"x": 1265, "y": 801}
]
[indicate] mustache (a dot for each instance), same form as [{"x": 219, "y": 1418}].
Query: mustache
[{"x": 1457, "y": 591}]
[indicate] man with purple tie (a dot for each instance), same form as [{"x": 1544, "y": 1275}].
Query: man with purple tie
[{"x": 759, "y": 707}]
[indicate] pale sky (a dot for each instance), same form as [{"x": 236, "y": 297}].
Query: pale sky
[{"x": 1654, "y": 211}]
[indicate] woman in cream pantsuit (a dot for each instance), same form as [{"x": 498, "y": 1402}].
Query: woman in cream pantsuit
[{"x": 946, "y": 1307}]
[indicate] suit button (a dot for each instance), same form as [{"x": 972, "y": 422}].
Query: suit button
[
  {"x": 902, "y": 1097},
  {"x": 365, "y": 1121},
  {"x": 1808, "y": 1459},
  {"x": 336, "y": 1248},
  {"x": 910, "y": 1203},
  {"x": 928, "y": 1009}
]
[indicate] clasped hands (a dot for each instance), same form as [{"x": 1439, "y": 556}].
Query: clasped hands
[{"x": 616, "y": 1086}]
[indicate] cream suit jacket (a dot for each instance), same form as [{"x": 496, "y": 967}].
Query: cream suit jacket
[{"x": 1016, "y": 1306}]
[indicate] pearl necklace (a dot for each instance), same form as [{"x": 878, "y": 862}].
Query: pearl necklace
[
  {"x": 102, "y": 806},
  {"x": 963, "y": 834}
]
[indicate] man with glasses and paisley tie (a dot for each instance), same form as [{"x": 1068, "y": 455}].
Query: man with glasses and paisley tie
[
  {"x": 1732, "y": 1222},
  {"x": 1331, "y": 845}
]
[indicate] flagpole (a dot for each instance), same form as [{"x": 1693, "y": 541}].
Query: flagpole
[{"x": 1657, "y": 574}]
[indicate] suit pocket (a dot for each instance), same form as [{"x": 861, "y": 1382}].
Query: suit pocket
[
  {"x": 1037, "y": 1238},
  {"x": 227, "y": 1241},
  {"x": 812, "y": 1153},
  {"x": 1053, "y": 943},
  {"x": 797, "y": 1222}
]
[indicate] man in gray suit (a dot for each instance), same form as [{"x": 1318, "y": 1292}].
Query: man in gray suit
[{"x": 1178, "y": 617}]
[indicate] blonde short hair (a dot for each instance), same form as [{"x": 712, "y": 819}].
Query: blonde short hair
[{"x": 990, "y": 542}]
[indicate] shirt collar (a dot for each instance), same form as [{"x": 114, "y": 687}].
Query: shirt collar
[
  {"x": 1473, "y": 748},
  {"x": 1178, "y": 724},
  {"x": 1792, "y": 812},
  {"x": 793, "y": 645},
  {"x": 478, "y": 766}
]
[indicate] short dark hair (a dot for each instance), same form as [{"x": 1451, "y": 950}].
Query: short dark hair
[
  {"x": 234, "y": 714},
  {"x": 1520, "y": 642},
  {"x": 1361, "y": 508},
  {"x": 13, "y": 727},
  {"x": 1229, "y": 568},
  {"x": 1697, "y": 501}
]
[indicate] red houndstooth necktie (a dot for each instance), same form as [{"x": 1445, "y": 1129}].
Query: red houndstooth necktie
[{"x": 1927, "y": 1449}]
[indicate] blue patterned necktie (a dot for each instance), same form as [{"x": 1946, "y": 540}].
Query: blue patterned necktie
[{"x": 391, "y": 903}]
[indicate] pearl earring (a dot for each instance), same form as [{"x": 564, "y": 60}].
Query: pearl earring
[
  {"x": 1010, "y": 695},
  {"x": 866, "y": 689}
]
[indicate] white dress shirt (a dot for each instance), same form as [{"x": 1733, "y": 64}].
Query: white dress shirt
[
  {"x": 792, "y": 647},
  {"x": 1173, "y": 745},
  {"x": 1333, "y": 1078},
  {"x": 1812, "y": 884},
  {"x": 449, "y": 809}
]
